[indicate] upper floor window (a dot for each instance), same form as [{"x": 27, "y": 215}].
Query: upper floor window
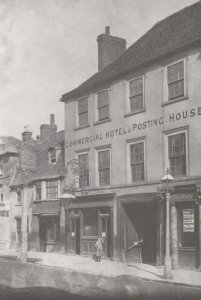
[
  {"x": 52, "y": 189},
  {"x": 104, "y": 167},
  {"x": 38, "y": 190},
  {"x": 52, "y": 155},
  {"x": 83, "y": 112},
  {"x": 136, "y": 94},
  {"x": 19, "y": 197},
  {"x": 177, "y": 154},
  {"x": 137, "y": 162},
  {"x": 103, "y": 105},
  {"x": 175, "y": 79},
  {"x": 83, "y": 162}
]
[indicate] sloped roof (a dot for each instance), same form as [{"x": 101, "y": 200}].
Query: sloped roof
[
  {"x": 44, "y": 170},
  {"x": 9, "y": 140},
  {"x": 178, "y": 31}
]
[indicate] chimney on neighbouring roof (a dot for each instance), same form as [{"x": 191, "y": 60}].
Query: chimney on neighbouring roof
[
  {"x": 26, "y": 134},
  {"x": 47, "y": 130},
  {"x": 109, "y": 48}
]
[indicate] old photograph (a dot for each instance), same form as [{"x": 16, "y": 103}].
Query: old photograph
[{"x": 100, "y": 149}]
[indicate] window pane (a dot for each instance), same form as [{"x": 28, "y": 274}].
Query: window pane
[
  {"x": 104, "y": 167},
  {"x": 83, "y": 105},
  {"x": 176, "y": 80},
  {"x": 137, "y": 161},
  {"x": 136, "y": 103},
  {"x": 136, "y": 87},
  {"x": 83, "y": 161},
  {"x": 52, "y": 153},
  {"x": 83, "y": 119},
  {"x": 38, "y": 190},
  {"x": 102, "y": 99},
  {"x": 103, "y": 113},
  {"x": 177, "y": 154},
  {"x": 90, "y": 220},
  {"x": 52, "y": 189}
]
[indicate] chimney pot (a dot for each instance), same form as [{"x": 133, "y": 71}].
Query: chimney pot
[{"x": 107, "y": 30}]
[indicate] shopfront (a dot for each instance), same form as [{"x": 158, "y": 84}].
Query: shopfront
[
  {"x": 88, "y": 218},
  {"x": 186, "y": 203},
  {"x": 140, "y": 235}
]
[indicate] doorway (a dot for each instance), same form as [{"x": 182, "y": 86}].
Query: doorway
[
  {"x": 140, "y": 223},
  {"x": 75, "y": 235},
  {"x": 42, "y": 235}
]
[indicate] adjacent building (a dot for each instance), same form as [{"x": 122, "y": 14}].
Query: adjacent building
[
  {"x": 36, "y": 214},
  {"x": 137, "y": 116},
  {"x": 9, "y": 161}
]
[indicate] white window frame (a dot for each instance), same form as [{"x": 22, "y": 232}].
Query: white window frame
[
  {"x": 128, "y": 162},
  {"x": 166, "y": 152},
  {"x": 165, "y": 81},
  {"x": 96, "y": 108},
  {"x": 77, "y": 114},
  {"x": 80, "y": 153},
  {"x": 100, "y": 149},
  {"x": 128, "y": 110}
]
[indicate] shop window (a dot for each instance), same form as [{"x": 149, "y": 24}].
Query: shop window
[
  {"x": 38, "y": 190},
  {"x": 177, "y": 154},
  {"x": 90, "y": 222},
  {"x": 136, "y": 94},
  {"x": 103, "y": 105},
  {"x": 137, "y": 161},
  {"x": 52, "y": 189},
  {"x": 175, "y": 76},
  {"x": 83, "y": 112},
  {"x": 186, "y": 218},
  {"x": 104, "y": 167},
  {"x": 83, "y": 162},
  {"x": 53, "y": 230}
]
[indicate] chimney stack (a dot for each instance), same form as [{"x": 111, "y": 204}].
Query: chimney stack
[
  {"x": 109, "y": 48},
  {"x": 47, "y": 130},
  {"x": 26, "y": 134}
]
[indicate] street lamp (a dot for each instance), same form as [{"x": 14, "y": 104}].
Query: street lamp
[{"x": 167, "y": 188}]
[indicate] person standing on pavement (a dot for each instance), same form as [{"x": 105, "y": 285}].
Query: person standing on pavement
[{"x": 99, "y": 248}]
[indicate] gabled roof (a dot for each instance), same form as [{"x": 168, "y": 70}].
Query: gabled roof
[
  {"x": 44, "y": 170},
  {"x": 179, "y": 31}
]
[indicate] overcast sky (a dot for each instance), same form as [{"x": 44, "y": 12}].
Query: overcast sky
[{"x": 48, "y": 47}]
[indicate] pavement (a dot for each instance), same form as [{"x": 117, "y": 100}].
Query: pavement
[{"x": 108, "y": 268}]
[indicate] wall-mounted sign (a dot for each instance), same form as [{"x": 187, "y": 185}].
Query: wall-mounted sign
[
  {"x": 188, "y": 220},
  {"x": 134, "y": 127}
]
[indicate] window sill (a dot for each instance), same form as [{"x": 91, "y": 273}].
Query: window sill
[
  {"x": 102, "y": 121},
  {"x": 174, "y": 100},
  {"x": 186, "y": 249},
  {"x": 82, "y": 127},
  {"x": 135, "y": 112},
  {"x": 18, "y": 204}
]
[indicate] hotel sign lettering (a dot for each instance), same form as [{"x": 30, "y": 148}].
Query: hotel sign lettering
[{"x": 132, "y": 128}]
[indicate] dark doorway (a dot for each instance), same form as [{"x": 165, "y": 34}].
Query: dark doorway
[
  {"x": 140, "y": 223},
  {"x": 77, "y": 236},
  {"x": 42, "y": 235}
]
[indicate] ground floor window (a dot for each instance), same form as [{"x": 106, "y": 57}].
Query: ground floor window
[
  {"x": 53, "y": 230},
  {"x": 90, "y": 222}
]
